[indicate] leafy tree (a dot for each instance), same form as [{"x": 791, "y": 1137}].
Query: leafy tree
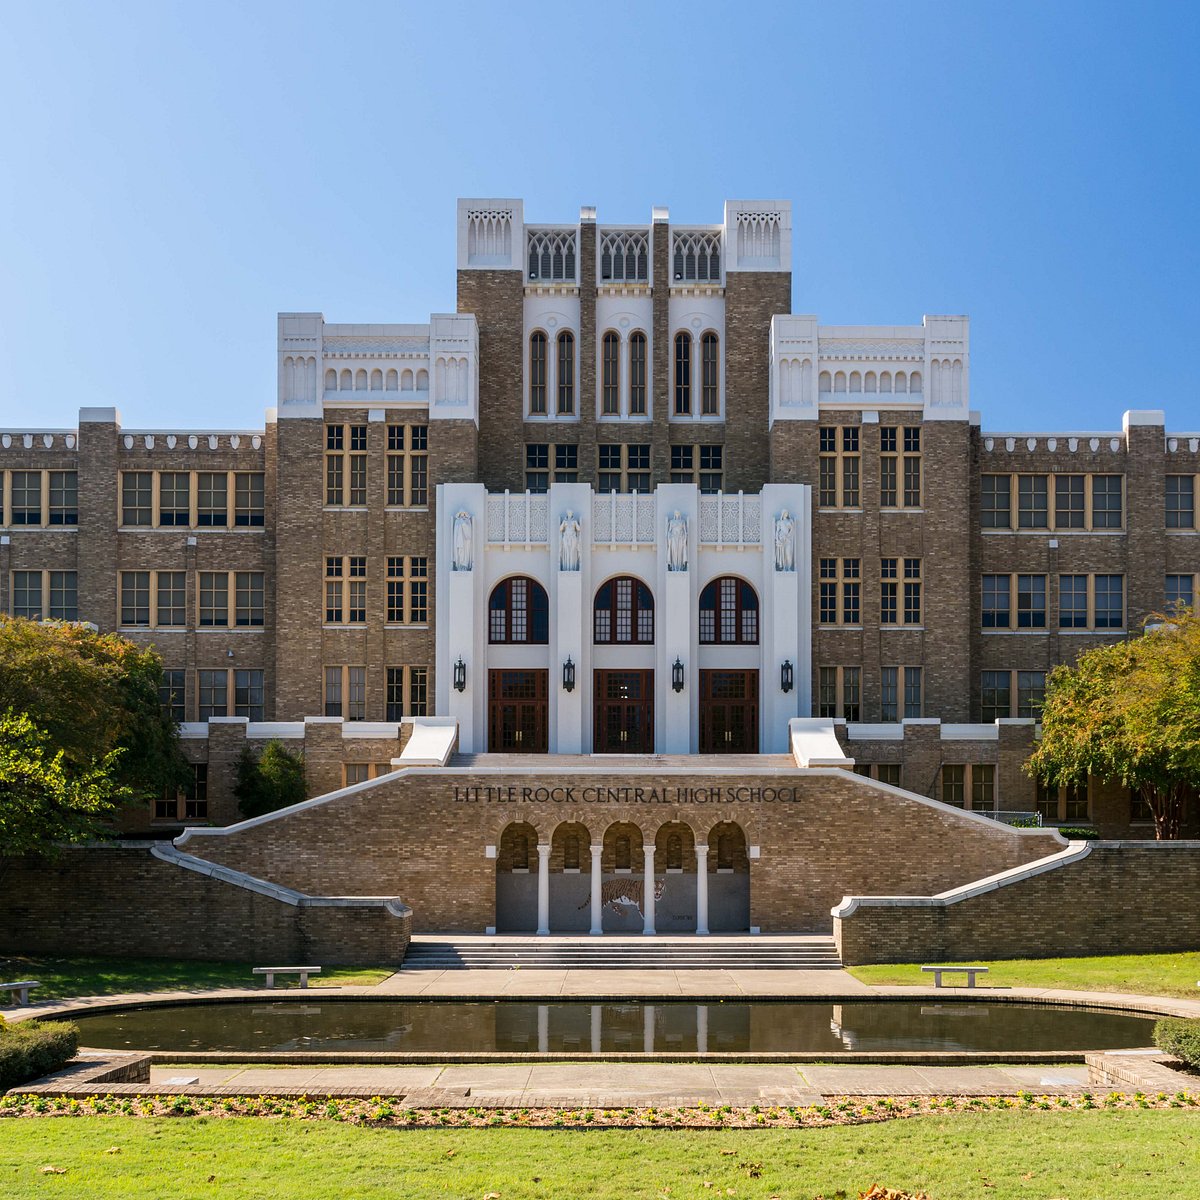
[
  {"x": 42, "y": 800},
  {"x": 1130, "y": 711},
  {"x": 92, "y": 694},
  {"x": 272, "y": 781}
]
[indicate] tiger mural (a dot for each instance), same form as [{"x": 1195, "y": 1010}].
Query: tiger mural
[{"x": 625, "y": 893}]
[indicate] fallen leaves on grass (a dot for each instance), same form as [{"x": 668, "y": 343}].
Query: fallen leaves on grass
[
  {"x": 49, "y": 1170},
  {"x": 877, "y": 1192}
]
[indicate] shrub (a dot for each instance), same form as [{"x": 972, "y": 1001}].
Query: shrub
[
  {"x": 1179, "y": 1036},
  {"x": 31, "y": 1049},
  {"x": 1075, "y": 833},
  {"x": 270, "y": 782}
]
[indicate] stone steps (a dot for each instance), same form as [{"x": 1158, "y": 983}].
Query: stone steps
[{"x": 608, "y": 953}]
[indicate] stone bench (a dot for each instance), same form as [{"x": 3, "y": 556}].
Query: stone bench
[
  {"x": 969, "y": 972},
  {"x": 271, "y": 972},
  {"x": 19, "y": 990}
]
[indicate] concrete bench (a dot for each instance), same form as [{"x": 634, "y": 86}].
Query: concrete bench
[
  {"x": 969, "y": 972},
  {"x": 19, "y": 990},
  {"x": 271, "y": 972}
]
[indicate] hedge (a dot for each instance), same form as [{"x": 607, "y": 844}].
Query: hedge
[
  {"x": 1179, "y": 1036},
  {"x": 31, "y": 1049}
]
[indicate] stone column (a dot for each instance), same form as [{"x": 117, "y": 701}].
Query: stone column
[
  {"x": 701, "y": 887},
  {"x": 543, "y": 888},
  {"x": 648, "y": 891},
  {"x": 597, "y": 879}
]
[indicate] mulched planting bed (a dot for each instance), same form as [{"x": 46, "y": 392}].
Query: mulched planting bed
[{"x": 382, "y": 1113}]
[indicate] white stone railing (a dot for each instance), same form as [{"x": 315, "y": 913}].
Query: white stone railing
[
  {"x": 730, "y": 520},
  {"x": 51, "y": 439},
  {"x": 522, "y": 519},
  {"x": 620, "y": 520},
  {"x": 157, "y": 439}
]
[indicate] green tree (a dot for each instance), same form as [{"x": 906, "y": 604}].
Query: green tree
[
  {"x": 1129, "y": 711},
  {"x": 42, "y": 800},
  {"x": 92, "y": 694},
  {"x": 272, "y": 781}
]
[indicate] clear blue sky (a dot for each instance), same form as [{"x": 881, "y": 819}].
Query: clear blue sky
[{"x": 172, "y": 175}]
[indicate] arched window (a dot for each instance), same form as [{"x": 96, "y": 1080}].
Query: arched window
[
  {"x": 683, "y": 374},
  {"x": 377, "y": 380},
  {"x": 537, "y": 373},
  {"x": 637, "y": 374},
  {"x": 729, "y": 612},
  {"x": 610, "y": 375},
  {"x": 347, "y": 384},
  {"x": 709, "y": 375},
  {"x": 331, "y": 380},
  {"x": 519, "y": 612},
  {"x": 624, "y": 612},
  {"x": 566, "y": 374},
  {"x": 360, "y": 380}
]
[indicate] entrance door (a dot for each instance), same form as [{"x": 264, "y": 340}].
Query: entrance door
[
  {"x": 728, "y": 712},
  {"x": 624, "y": 712},
  {"x": 517, "y": 712}
]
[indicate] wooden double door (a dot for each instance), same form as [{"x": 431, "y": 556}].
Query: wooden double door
[
  {"x": 728, "y": 712},
  {"x": 518, "y": 712},
  {"x": 623, "y": 712}
]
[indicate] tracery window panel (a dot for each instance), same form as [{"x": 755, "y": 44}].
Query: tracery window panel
[
  {"x": 519, "y": 612},
  {"x": 623, "y": 613},
  {"x": 729, "y": 612}
]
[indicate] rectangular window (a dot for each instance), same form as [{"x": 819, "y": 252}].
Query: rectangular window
[
  {"x": 683, "y": 464},
  {"x": 1031, "y": 692},
  {"x": 212, "y": 694},
  {"x": 914, "y": 692},
  {"x": 683, "y": 374},
  {"x": 1033, "y": 504},
  {"x": 969, "y": 785},
  {"x": 64, "y": 596},
  {"x": 888, "y": 773},
  {"x": 346, "y": 589},
  {"x": 407, "y": 590},
  {"x": 1059, "y": 804},
  {"x": 900, "y": 466},
  {"x": 840, "y": 591},
  {"x": 214, "y": 599},
  {"x": 1091, "y": 601},
  {"x": 610, "y": 375},
  {"x": 537, "y": 467},
  {"x": 912, "y": 591},
  {"x": 195, "y": 798},
  {"x": 135, "y": 597},
  {"x": 26, "y": 498},
  {"x": 407, "y": 692},
  {"x": 637, "y": 375},
  {"x": 249, "y": 503},
  {"x": 1031, "y": 602},
  {"x": 1070, "y": 509},
  {"x": 1181, "y": 501},
  {"x": 839, "y": 466},
  {"x": 27, "y": 595},
  {"x": 170, "y": 593},
  {"x": 709, "y": 375},
  {"x": 64, "y": 498},
  {"x": 408, "y": 466},
  {"x": 172, "y": 694},
  {"x": 995, "y": 508},
  {"x": 983, "y": 786},
  {"x": 712, "y": 469},
  {"x": 1107, "y": 506},
  {"x": 248, "y": 593},
  {"x": 537, "y": 374},
  {"x": 137, "y": 498},
  {"x": 248, "y": 694},
  {"x": 346, "y": 692},
  {"x": 212, "y": 499},
  {"x": 566, "y": 464},
  {"x": 997, "y": 602},
  {"x": 346, "y": 465},
  {"x": 839, "y": 692},
  {"x": 996, "y": 695},
  {"x": 623, "y": 468},
  {"x": 889, "y": 588},
  {"x": 889, "y": 694},
  {"x": 954, "y": 784},
  {"x": 1180, "y": 592},
  {"x": 566, "y": 375},
  {"x": 174, "y": 498}
]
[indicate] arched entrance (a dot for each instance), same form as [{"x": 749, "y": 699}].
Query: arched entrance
[
  {"x": 622, "y": 880},
  {"x": 570, "y": 879},
  {"x": 675, "y": 868},
  {"x": 728, "y": 863},
  {"x": 516, "y": 879}
]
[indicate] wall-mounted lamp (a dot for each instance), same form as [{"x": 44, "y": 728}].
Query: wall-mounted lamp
[
  {"x": 677, "y": 676},
  {"x": 568, "y": 675},
  {"x": 460, "y": 676},
  {"x": 228, "y": 653},
  {"x": 786, "y": 678}
]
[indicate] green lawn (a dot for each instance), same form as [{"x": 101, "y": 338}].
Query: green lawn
[
  {"x": 1149, "y": 974},
  {"x": 1034, "y": 1156},
  {"x": 65, "y": 977}
]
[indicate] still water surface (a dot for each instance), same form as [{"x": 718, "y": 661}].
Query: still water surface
[{"x": 509, "y": 1026}]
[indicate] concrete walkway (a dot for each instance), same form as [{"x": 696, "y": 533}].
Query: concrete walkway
[{"x": 614, "y": 1085}]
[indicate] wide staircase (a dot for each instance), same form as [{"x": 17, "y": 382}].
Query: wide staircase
[{"x": 719, "y": 952}]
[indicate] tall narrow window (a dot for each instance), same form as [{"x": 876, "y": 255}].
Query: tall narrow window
[
  {"x": 637, "y": 375},
  {"x": 709, "y": 375},
  {"x": 610, "y": 375},
  {"x": 566, "y": 374},
  {"x": 683, "y": 374},
  {"x": 537, "y": 374}
]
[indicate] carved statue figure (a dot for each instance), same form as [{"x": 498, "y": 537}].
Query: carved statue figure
[
  {"x": 676, "y": 542},
  {"x": 464, "y": 549},
  {"x": 568, "y": 542},
  {"x": 785, "y": 542}
]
